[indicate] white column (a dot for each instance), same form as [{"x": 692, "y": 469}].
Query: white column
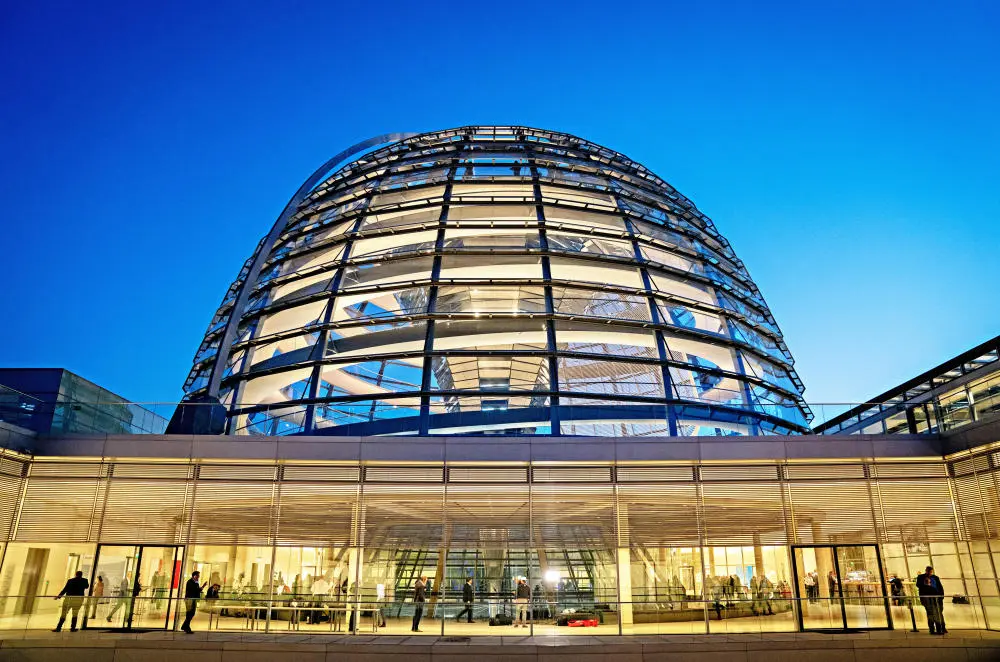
[
  {"x": 625, "y": 586},
  {"x": 354, "y": 560}
]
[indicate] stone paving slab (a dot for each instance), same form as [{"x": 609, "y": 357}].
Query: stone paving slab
[{"x": 875, "y": 646}]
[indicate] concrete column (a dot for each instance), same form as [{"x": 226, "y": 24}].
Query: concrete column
[
  {"x": 758, "y": 555},
  {"x": 624, "y": 586},
  {"x": 355, "y": 560},
  {"x": 824, "y": 561},
  {"x": 663, "y": 574}
]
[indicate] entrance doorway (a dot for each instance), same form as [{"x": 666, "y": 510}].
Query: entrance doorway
[
  {"x": 840, "y": 587},
  {"x": 140, "y": 586}
]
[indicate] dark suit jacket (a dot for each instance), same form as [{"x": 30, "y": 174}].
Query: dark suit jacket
[
  {"x": 467, "y": 595},
  {"x": 75, "y": 587},
  {"x": 929, "y": 586}
]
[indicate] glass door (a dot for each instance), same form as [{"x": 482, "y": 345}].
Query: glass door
[
  {"x": 138, "y": 586},
  {"x": 840, "y": 587},
  {"x": 862, "y": 588}
]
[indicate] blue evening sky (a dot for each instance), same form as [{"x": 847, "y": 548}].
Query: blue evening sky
[{"x": 848, "y": 150}]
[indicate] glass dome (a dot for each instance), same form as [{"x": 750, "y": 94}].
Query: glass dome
[{"x": 495, "y": 280}]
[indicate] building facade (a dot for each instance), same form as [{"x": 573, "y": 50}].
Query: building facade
[
  {"x": 649, "y": 467},
  {"x": 653, "y": 534}
]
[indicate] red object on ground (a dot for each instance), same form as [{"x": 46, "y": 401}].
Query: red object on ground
[{"x": 585, "y": 623}]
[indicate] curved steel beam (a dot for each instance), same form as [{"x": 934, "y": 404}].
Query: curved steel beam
[{"x": 222, "y": 358}]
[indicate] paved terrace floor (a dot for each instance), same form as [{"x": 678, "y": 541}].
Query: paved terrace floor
[{"x": 880, "y": 646}]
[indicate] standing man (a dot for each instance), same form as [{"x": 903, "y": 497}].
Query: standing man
[
  {"x": 521, "y": 600},
  {"x": 932, "y": 598},
  {"x": 74, "y": 590},
  {"x": 810, "y": 584},
  {"x": 192, "y": 593},
  {"x": 419, "y": 597},
  {"x": 468, "y": 596},
  {"x": 833, "y": 584}
]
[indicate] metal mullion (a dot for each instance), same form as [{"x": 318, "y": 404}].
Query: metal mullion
[
  {"x": 669, "y": 392},
  {"x": 324, "y": 335},
  {"x": 747, "y": 393},
  {"x": 264, "y": 249},
  {"x": 432, "y": 292},
  {"x": 840, "y": 585},
  {"x": 135, "y": 586},
  {"x": 555, "y": 412}
]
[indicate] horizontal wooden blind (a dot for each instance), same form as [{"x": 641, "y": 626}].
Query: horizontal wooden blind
[
  {"x": 60, "y": 510},
  {"x": 573, "y": 516},
  {"x": 737, "y": 512},
  {"x": 654, "y": 474},
  {"x": 320, "y": 514},
  {"x": 972, "y": 508},
  {"x": 824, "y": 471},
  {"x": 153, "y": 470},
  {"x": 911, "y": 470},
  {"x": 404, "y": 474},
  {"x": 488, "y": 474},
  {"x": 146, "y": 511},
  {"x": 69, "y": 469},
  {"x": 715, "y": 472},
  {"x": 571, "y": 474},
  {"x": 10, "y": 493},
  {"x": 12, "y": 467},
  {"x": 236, "y": 472},
  {"x": 969, "y": 465},
  {"x": 832, "y": 512},
  {"x": 402, "y": 516},
  {"x": 987, "y": 484},
  {"x": 917, "y": 510},
  {"x": 488, "y": 515},
  {"x": 312, "y": 473},
  {"x": 233, "y": 512},
  {"x": 658, "y": 515}
]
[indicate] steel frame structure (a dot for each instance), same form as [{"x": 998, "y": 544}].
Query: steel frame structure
[
  {"x": 915, "y": 406},
  {"x": 495, "y": 280}
]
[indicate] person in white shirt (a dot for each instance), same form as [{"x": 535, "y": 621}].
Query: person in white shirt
[{"x": 319, "y": 589}]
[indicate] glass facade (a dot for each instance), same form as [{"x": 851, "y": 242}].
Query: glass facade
[
  {"x": 496, "y": 280},
  {"x": 961, "y": 391},
  {"x": 644, "y": 547},
  {"x": 56, "y": 401}
]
